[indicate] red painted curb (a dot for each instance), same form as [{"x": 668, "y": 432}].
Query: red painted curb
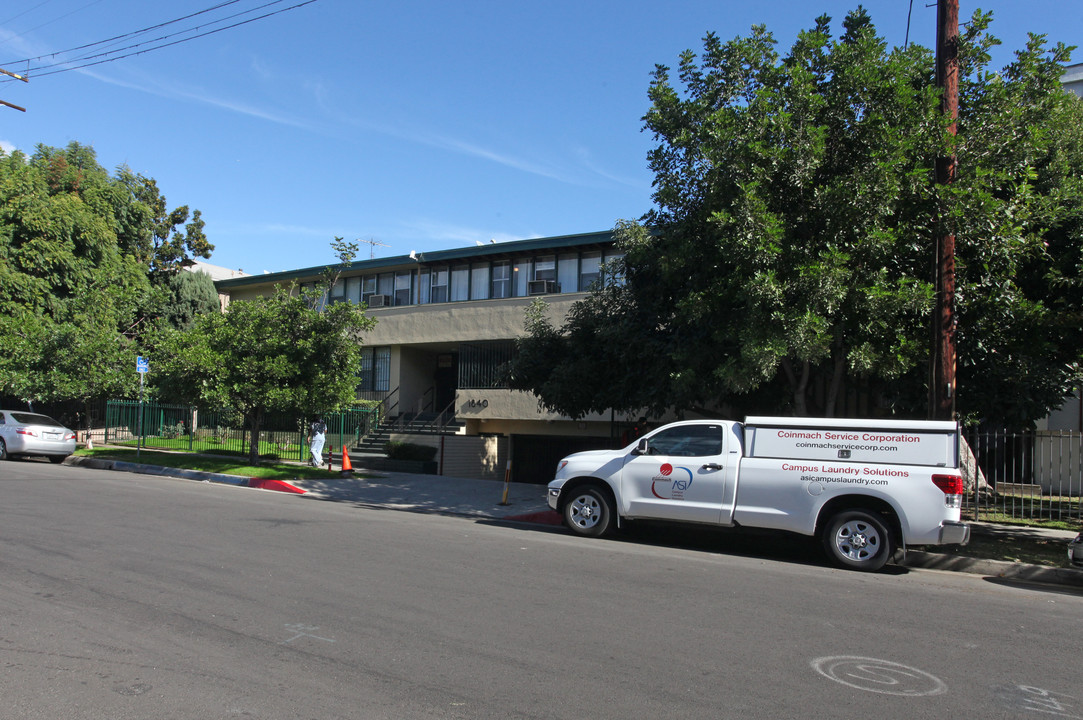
[{"x": 279, "y": 485}]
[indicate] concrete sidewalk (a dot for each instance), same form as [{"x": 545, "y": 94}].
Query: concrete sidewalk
[{"x": 484, "y": 499}]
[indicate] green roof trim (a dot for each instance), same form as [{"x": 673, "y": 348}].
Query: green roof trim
[{"x": 432, "y": 257}]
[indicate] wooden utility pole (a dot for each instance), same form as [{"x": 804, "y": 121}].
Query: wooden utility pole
[
  {"x": 942, "y": 388},
  {"x": 17, "y": 77}
]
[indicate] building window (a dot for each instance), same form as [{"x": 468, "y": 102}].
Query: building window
[
  {"x": 460, "y": 283},
  {"x": 439, "y": 285},
  {"x": 385, "y": 284},
  {"x": 338, "y": 292},
  {"x": 402, "y": 287},
  {"x": 522, "y": 271},
  {"x": 424, "y": 286},
  {"x": 501, "y": 279},
  {"x": 590, "y": 267},
  {"x": 479, "y": 282},
  {"x": 568, "y": 273},
  {"x": 353, "y": 289},
  {"x": 368, "y": 288},
  {"x": 613, "y": 269},
  {"x": 545, "y": 268},
  {"x": 375, "y": 369}
]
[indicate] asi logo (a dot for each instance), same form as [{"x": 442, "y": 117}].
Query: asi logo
[{"x": 667, "y": 486}]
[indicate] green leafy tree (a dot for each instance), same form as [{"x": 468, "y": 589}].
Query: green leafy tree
[
  {"x": 189, "y": 295},
  {"x": 790, "y": 253},
  {"x": 160, "y": 238},
  {"x": 270, "y": 353},
  {"x": 75, "y": 289}
]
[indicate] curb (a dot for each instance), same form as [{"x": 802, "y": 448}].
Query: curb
[
  {"x": 221, "y": 478},
  {"x": 914, "y": 559},
  {"x": 996, "y": 568}
]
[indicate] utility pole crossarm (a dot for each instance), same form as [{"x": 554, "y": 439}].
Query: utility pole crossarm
[
  {"x": 14, "y": 75},
  {"x": 17, "y": 77}
]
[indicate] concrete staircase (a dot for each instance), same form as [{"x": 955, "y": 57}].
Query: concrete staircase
[{"x": 370, "y": 450}]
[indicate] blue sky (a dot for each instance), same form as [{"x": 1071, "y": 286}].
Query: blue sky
[{"x": 416, "y": 125}]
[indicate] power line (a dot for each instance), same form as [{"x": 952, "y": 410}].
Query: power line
[
  {"x": 107, "y": 53},
  {"x": 49, "y": 22},
  {"x": 132, "y": 33},
  {"x": 80, "y": 64}
]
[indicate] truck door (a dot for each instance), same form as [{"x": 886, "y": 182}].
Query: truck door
[{"x": 682, "y": 476}]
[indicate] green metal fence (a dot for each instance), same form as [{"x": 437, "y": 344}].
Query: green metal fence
[{"x": 181, "y": 427}]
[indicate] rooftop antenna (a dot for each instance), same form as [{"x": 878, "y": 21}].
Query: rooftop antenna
[{"x": 372, "y": 246}]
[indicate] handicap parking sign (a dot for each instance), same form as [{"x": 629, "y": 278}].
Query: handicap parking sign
[{"x": 142, "y": 365}]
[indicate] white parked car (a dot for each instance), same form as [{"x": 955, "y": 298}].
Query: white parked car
[
  {"x": 1075, "y": 551},
  {"x": 27, "y": 433}
]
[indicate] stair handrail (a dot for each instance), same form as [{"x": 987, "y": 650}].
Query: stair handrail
[
  {"x": 383, "y": 410},
  {"x": 437, "y": 425}
]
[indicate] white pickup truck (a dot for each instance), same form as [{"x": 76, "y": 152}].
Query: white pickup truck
[{"x": 863, "y": 487}]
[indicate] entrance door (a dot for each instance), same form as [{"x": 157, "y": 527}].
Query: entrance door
[{"x": 445, "y": 380}]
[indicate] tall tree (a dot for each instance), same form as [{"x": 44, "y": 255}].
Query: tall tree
[
  {"x": 189, "y": 295},
  {"x": 75, "y": 286},
  {"x": 790, "y": 253},
  {"x": 160, "y": 238},
  {"x": 270, "y": 353}
]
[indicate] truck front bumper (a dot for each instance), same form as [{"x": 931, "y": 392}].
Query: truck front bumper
[
  {"x": 954, "y": 533},
  {"x": 552, "y": 497}
]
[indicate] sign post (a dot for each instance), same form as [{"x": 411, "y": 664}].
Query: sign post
[{"x": 142, "y": 366}]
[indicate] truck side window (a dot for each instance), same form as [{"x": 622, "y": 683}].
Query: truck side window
[{"x": 688, "y": 441}]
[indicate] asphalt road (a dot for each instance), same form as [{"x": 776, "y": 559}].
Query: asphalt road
[{"x": 127, "y": 596}]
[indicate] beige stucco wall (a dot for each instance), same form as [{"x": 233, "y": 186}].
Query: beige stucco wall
[{"x": 465, "y": 456}]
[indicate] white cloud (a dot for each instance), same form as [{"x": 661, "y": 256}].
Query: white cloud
[
  {"x": 196, "y": 95},
  {"x": 7, "y": 147}
]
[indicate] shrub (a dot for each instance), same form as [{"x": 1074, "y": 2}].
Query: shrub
[{"x": 409, "y": 451}]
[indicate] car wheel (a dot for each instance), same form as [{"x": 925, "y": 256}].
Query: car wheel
[
  {"x": 3, "y": 450},
  {"x": 57, "y": 459},
  {"x": 857, "y": 539},
  {"x": 589, "y": 511}
]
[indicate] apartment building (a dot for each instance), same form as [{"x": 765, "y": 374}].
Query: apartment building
[{"x": 446, "y": 326}]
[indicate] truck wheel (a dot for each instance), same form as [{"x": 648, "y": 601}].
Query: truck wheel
[
  {"x": 589, "y": 512},
  {"x": 858, "y": 540}
]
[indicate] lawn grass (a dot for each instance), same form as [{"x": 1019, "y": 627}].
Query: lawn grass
[{"x": 226, "y": 464}]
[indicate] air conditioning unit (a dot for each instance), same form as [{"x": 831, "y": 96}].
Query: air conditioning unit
[
  {"x": 379, "y": 301},
  {"x": 542, "y": 287}
]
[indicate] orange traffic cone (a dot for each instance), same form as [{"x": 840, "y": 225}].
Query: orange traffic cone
[{"x": 347, "y": 466}]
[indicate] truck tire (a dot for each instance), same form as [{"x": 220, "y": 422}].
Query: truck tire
[
  {"x": 857, "y": 539},
  {"x": 589, "y": 512}
]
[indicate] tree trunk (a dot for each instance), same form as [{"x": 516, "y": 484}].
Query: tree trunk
[
  {"x": 838, "y": 371},
  {"x": 800, "y": 393},
  {"x": 255, "y": 420},
  {"x": 799, "y": 386}
]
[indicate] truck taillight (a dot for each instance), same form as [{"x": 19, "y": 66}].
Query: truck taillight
[{"x": 952, "y": 487}]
